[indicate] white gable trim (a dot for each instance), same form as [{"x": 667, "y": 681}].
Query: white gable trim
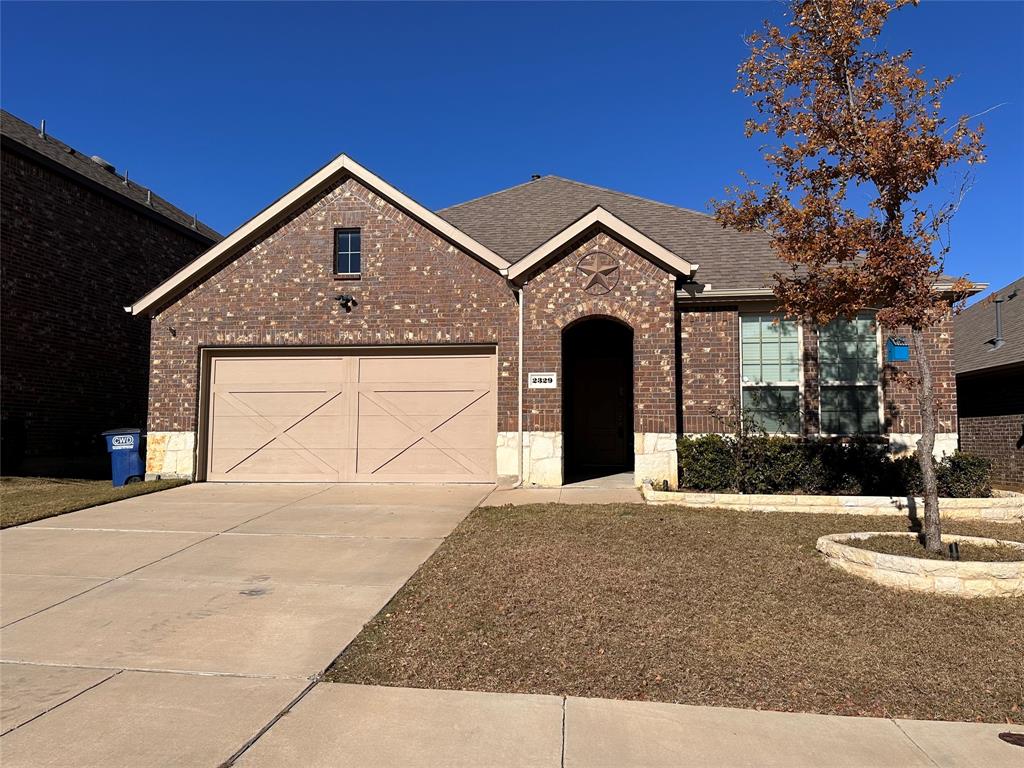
[
  {"x": 616, "y": 226},
  {"x": 274, "y": 213}
]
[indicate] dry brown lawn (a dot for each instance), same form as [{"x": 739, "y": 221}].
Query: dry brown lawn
[
  {"x": 914, "y": 547},
  {"x": 698, "y": 607},
  {"x": 27, "y": 499}
]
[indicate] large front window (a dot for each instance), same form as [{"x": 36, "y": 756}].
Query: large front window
[
  {"x": 850, "y": 380},
  {"x": 770, "y": 361}
]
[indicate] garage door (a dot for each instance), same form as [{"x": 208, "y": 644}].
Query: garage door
[{"x": 414, "y": 417}]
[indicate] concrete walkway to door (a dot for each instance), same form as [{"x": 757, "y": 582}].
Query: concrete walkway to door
[{"x": 172, "y": 628}]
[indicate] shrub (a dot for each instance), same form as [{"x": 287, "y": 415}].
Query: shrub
[
  {"x": 763, "y": 464},
  {"x": 903, "y": 477},
  {"x": 963, "y": 474},
  {"x": 707, "y": 462},
  {"x": 769, "y": 464}
]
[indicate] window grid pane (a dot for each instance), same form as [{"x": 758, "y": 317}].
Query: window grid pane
[
  {"x": 770, "y": 351},
  {"x": 849, "y": 410},
  {"x": 848, "y": 350},
  {"x": 347, "y": 251},
  {"x": 776, "y": 410}
]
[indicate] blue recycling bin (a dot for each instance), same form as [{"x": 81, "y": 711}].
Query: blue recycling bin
[{"x": 126, "y": 463}]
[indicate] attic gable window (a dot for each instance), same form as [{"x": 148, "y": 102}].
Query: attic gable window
[{"x": 347, "y": 252}]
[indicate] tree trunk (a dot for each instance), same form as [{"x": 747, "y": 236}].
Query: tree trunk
[{"x": 926, "y": 445}]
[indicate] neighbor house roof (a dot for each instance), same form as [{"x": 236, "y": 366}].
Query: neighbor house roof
[
  {"x": 26, "y": 139},
  {"x": 517, "y": 221},
  {"x": 974, "y": 331}
]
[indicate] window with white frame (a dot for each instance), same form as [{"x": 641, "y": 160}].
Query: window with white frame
[
  {"x": 848, "y": 353},
  {"x": 770, "y": 372}
]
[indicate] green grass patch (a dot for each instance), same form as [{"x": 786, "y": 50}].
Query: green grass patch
[{"x": 27, "y": 499}]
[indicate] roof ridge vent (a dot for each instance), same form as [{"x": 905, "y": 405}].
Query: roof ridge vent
[{"x": 103, "y": 164}]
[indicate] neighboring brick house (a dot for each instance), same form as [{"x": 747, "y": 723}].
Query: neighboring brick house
[
  {"x": 347, "y": 333},
  {"x": 990, "y": 383},
  {"x": 78, "y": 243}
]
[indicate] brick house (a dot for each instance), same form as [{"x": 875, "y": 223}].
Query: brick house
[
  {"x": 990, "y": 383},
  {"x": 78, "y": 243},
  {"x": 348, "y": 333}
]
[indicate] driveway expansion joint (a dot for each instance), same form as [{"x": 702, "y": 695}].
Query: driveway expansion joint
[{"x": 917, "y": 746}]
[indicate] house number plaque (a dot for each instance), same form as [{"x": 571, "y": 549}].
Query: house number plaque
[{"x": 542, "y": 380}]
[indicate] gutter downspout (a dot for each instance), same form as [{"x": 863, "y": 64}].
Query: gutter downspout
[{"x": 522, "y": 299}]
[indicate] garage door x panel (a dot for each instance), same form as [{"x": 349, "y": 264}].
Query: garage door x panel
[{"x": 364, "y": 418}]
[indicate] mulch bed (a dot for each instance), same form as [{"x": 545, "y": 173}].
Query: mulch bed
[
  {"x": 913, "y": 547},
  {"x": 699, "y": 607},
  {"x": 27, "y": 499}
]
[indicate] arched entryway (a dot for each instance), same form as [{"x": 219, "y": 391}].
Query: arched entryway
[{"x": 597, "y": 408}]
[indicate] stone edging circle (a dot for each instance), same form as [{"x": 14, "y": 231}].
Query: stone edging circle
[{"x": 943, "y": 577}]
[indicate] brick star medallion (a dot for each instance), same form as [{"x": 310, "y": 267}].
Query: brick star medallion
[{"x": 601, "y": 273}]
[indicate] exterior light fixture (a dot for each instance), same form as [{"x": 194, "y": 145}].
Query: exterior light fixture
[{"x": 347, "y": 301}]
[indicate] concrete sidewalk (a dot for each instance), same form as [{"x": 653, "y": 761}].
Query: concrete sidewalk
[
  {"x": 613, "y": 489},
  {"x": 366, "y": 725},
  {"x": 185, "y": 628},
  {"x": 170, "y": 629}
]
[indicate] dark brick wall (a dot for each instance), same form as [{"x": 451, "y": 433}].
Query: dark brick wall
[
  {"x": 991, "y": 406},
  {"x": 1000, "y": 439},
  {"x": 73, "y": 361},
  {"x": 415, "y": 289},
  {"x": 643, "y": 298},
  {"x": 902, "y": 412}
]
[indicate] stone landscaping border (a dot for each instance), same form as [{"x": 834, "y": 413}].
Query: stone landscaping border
[
  {"x": 1005, "y": 509},
  {"x": 942, "y": 577}
]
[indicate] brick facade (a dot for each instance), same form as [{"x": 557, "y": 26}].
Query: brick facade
[
  {"x": 902, "y": 412},
  {"x": 710, "y": 375},
  {"x": 415, "y": 289},
  {"x": 74, "y": 363},
  {"x": 1001, "y": 440},
  {"x": 643, "y": 298},
  {"x": 418, "y": 289},
  {"x": 709, "y": 362},
  {"x": 991, "y": 405}
]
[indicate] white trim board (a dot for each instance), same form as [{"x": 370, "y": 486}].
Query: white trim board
[
  {"x": 614, "y": 225},
  {"x": 343, "y": 165}
]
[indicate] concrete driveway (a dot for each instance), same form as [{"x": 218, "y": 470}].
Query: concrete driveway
[{"x": 170, "y": 629}]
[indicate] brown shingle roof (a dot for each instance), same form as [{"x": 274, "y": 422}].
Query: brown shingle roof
[
  {"x": 50, "y": 149},
  {"x": 974, "y": 328},
  {"x": 514, "y": 221}
]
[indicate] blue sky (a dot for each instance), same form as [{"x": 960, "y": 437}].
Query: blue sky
[{"x": 223, "y": 107}]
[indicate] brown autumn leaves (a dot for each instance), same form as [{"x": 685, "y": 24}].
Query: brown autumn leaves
[{"x": 857, "y": 136}]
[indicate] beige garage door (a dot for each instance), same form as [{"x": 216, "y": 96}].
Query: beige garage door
[{"x": 414, "y": 417}]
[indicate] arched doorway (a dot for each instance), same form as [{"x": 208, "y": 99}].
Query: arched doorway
[{"x": 597, "y": 407}]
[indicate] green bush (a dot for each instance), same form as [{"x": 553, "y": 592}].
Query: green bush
[
  {"x": 708, "y": 462},
  {"x": 763, "y": 464},
  {"x": 964, "y": 475},
  {"x": 769, "y": 464}
]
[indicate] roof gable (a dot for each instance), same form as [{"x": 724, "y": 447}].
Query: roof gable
[
  {"x": 600, "y": 218},
  {"x": 341, "y": 167},
  {"x": 516, "y": 221}
]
